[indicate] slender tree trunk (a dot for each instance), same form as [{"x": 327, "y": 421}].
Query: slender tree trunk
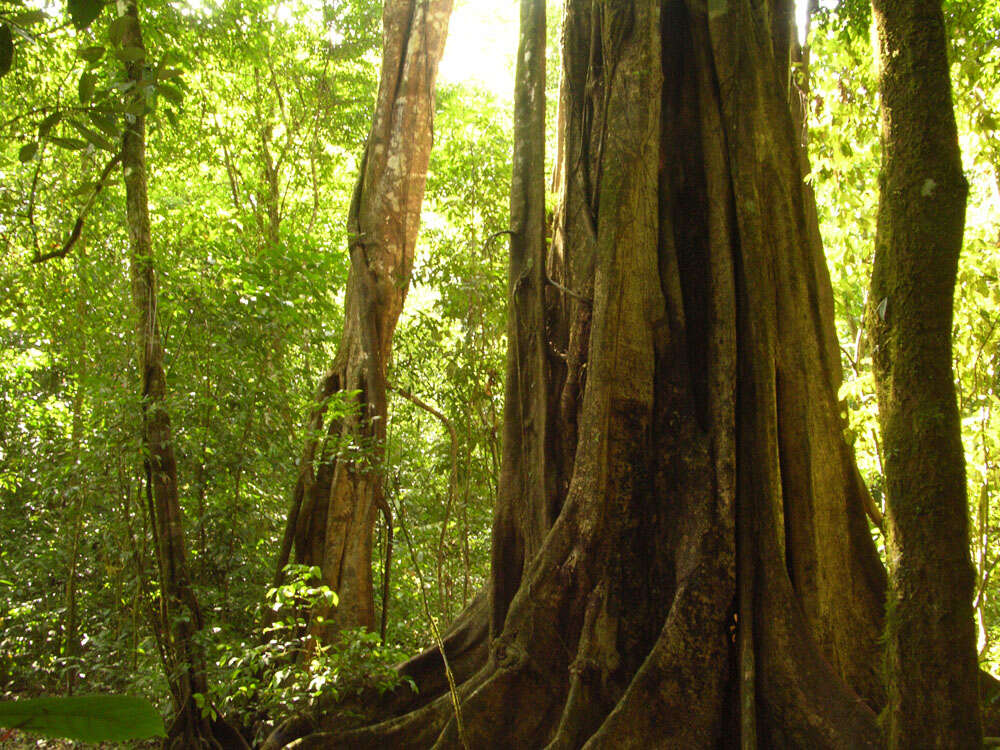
[
  {"x": 339, "y": 488},
  {"x": 930, "y": 636},
  {"x": 71, "y": 639},
  {"x": 180, "y": 616}
]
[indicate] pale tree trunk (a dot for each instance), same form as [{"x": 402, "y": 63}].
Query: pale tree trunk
[
  {"x": 179, "y": 616},
  {"x": 933, "y": 698},
  {"x": 681, "y": 556},
  {"x": 339, "y": 489}
]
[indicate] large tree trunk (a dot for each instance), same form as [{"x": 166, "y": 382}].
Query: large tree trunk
[
  {"x": 681, "y": 557},
  {"x": 933, "y": 696},
  {"x": 339, "y": 490}
]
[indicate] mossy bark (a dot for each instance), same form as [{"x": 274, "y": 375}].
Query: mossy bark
[
  {"x": 681, "y": 557},
  {"x": 933, "y": 698},
  {"x": 338, "y": 494},
  {"x": 179, "y": 616}
]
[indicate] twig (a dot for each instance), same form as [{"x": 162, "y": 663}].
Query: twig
[
  {"x": 31, "y": 201},
  {"x": 452, "y": 478},
  {"x": 78, "y": 225},
  {"x": 545, "y": 271},
  {"x": 452, "y": 688},
  {"x": 501, "y": 233}
]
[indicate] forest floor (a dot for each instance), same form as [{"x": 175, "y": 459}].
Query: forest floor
[{"x": 21, "y": 741}]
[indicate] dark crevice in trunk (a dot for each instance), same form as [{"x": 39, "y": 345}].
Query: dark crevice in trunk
[{"x": 683, "y": 203}]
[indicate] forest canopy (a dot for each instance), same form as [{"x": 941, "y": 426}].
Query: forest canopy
[{"x": 320, "y": 363}]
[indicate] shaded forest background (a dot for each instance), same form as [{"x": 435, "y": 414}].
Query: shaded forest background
[{"x": 259, "y": 116}]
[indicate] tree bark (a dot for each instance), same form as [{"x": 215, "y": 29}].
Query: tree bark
[
  {"x": 339, "y": 488},
  {"x": 527, "y": 470},
  {"x": 681, "y": 556},
  {"x": 179, "y": 616},
  {"x": 933, "y": 697}
]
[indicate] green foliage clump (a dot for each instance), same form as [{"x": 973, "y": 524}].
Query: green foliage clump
[{"x": 288, "y": 672}]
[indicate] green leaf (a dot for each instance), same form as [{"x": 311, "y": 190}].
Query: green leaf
[
  {"x": 131, "y": 54},
  {"x": 116, "y": 29},
  {"x": 84, "y": 12},
  {"x": 28, "y": 18},
  {"x": 88, "y": 82},
  {"x": 105, "y": 122},
  {"x": 168, "y": 73},
  {"x": 86, "y": 718},
  {"x": 46, "y": 125},
  {"x": 27, "y": 152},
  {"x": 73, "y": 144},
  {"x": 137, "y": 108},
  {"x": 6, "y": 49},
  {"x": 91, "y": 54},
  {"x": 92, "y": 136},
  {"x": 170, "y": 92}
]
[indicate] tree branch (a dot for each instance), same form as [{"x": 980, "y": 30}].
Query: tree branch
[{"x": 74, "y": 235}]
